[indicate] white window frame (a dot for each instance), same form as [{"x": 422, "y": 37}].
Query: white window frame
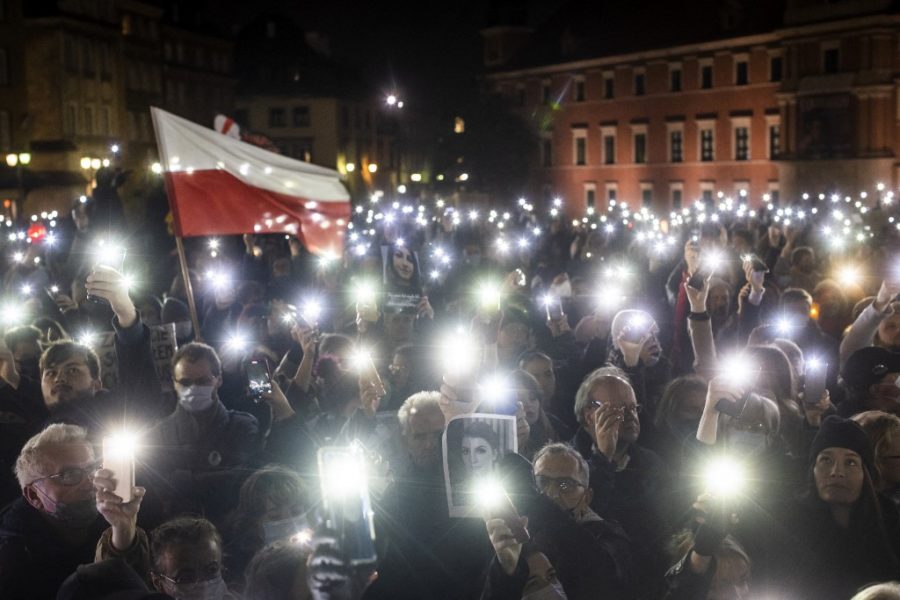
[
  {"x": 736, "y": 58},
  {"x": 708, "y": 185},
  {"x": 646, "y": 186},
  {"x": 710, "y": 62},
  {"x": 634, "y": 75},
  {"x": 736, "y": 123},
  {"x": 675, "y": 66},
  {"x": 605, "y": 132},
  {"x": 611, "y": 186},
  {"x": 771, "y": 121},
  {"x": 575, "y": 81},
  {"x": 610, "y": 75},
  {"x": 676, "y": 186},
  {"x": 671, "y": 128},
  {"x": 636, "y": 130},
  {"x": 589, "y": 186},
  {"x": 703, "y": 125},
  {"x": 579, "y": 133}
]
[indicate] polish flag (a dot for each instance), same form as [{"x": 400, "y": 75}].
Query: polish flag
[{"x": 218, "y": 185}]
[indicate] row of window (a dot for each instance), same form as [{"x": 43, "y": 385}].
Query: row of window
[
  {"x": 676, "y": 192},
  {"x": 705, "y": 147},
  {"x": 88, "y": 57},
  {"x": 300, "y": 117},
  {"x": 196, "y": 56},
  {"x": 705, "y": 77},
  {"x": 144, "y": 77},
  {"x": 87, "y": 120}
]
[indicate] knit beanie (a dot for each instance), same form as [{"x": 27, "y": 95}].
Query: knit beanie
[{"x": 838, "y": 432}]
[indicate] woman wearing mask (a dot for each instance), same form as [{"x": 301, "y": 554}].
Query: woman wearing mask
[
  {"x": 677, "y": 417},
  {"x": 186, "y": 560},
  {"x": 272, "y": 506}
]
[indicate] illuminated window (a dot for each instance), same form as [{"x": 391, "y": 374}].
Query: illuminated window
[{"x": 459, "y": 125}]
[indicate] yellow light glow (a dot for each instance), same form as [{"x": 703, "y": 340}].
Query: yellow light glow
[
  {"x": 350, "y": 167},
  {"x": 12, "y": 160},
  {"x": 85, "y": 162},
  {"x": 25, "y": 158},
  {"x": 372, "y": 167}
]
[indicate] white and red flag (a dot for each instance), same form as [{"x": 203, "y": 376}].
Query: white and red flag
[{"x": 219, "y": 185}]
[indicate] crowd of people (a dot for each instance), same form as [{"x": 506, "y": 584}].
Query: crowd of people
[{"x": 705, "y": 407}]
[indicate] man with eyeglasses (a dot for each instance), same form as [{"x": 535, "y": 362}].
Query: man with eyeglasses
[
  {"x": 56, "y": 524},
  {"x": 587, "y": 553},
  {"x": 627, "y": 481}
]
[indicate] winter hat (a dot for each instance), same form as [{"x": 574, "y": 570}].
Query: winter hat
[
  {"x": 868, "y": 365},
  {"x": 838, "y": 432}
]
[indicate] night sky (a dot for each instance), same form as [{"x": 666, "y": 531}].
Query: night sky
[{"x": 429, "y": 51}]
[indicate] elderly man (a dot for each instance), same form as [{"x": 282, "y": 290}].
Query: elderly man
[
  {"x": 627, "y": 481},
  {"x": 588, "y": 552},
  {"x": 427, "y": 554},
  {"x": 55, "y": 525}
]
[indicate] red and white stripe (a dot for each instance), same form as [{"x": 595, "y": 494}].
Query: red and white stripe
[{"x": 219, "y": 185}]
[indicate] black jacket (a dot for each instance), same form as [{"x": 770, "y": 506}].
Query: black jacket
[{"x": 34, "y": 560}]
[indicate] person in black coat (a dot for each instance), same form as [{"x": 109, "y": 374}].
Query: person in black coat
[{"x": 841, "y": 534}]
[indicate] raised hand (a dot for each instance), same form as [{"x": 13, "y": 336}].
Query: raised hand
[
  {"x": 121, "y": 516},
  {"x": 107, "y": 283}
]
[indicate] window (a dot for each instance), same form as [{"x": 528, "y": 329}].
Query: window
[
  {"x": 675, "y": 79},
  {"x": 71, "y": 52},
  {"x": 774, "y": 140},
  {"x": 105, "y": 120},
  {"x": 676, "y": 194},
  {"x": 590, "y": 195},
  {"x": 69, "y": 117},
  {"x": 706, "y": 77},
  {"x": 545, "y": 92},
  {"x": 831, "y": 60},
  {"x": 459, "y": 125},
  {"x": 776, "y": 65},
  {"x": 741, "y": 72},
  {"x": 640, "y": 84},
  {"x": 707, "y": 144},
  {"x": 127, "y": 26},
  {"x": 167, "y": 51},
  {"x": 276, "y": 117},
  {"x": 741, "y": 143},
  {"x": 88, "y": 59},
  {"x": 612, "y": 192},
  {"x": 105, "y": 66},
  {"x": 547, "y": 152},
  {"x": 520, "y": 95},
  {"x": 580, "y": 150},
  {"x": 4, "y": 68},
  {"x": 579, "y": 90},
  {"x": 609, "y": 87},
  {"x": 87, "y": 120},
  {"x": 609, "y": 149},
  {"x": 301, "y": 116},
  {"x": 706, "y": 191},
  {"x": 345, "y": 117},
  {"x": 647, "y": 194},
  {"x": 5, "y": 132},
  {"x": 640, "y": 148},
  {"x": 676, "y": 145}
]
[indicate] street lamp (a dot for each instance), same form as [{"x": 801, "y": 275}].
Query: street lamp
[
  {"x": 373, "y": 167},
  {"x": 17, "y": 161}
]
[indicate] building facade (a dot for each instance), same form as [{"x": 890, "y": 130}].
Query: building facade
[
  {"x": 806, "y": 101},
  {"x": 77, "y": 80}
]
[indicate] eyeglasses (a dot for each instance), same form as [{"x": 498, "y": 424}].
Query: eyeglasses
[
  {"x": 561, "y": 484},
  {"x": 189, "y": 576},
  {"x": 634, "y": 408},
  {"x": 72, "y": 476}
]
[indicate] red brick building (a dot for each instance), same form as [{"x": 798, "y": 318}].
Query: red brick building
[{"x": 662, "y": 104}]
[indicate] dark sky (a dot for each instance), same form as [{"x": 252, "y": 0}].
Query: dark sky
[{"x": 430, "y": 51}]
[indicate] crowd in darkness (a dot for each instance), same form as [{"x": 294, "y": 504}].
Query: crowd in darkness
[{"x": 704, "y": 409}]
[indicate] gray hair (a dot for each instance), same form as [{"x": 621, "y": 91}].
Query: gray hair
[
  {"x": 882, "y": 591},
  {"x": 583, "y": 395},
  {"x": 31, "y": 463},
  {"x": 562, "y": 448},
  {"x": 418, "y": 402}
]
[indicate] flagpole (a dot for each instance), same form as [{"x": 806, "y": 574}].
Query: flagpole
[{"x": 188, "y": 288}]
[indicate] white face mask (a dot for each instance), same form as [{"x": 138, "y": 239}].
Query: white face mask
[
  {"x": 554, "y": 591},
  {"x": 196, "y": 398},
  {"x": 213, "y": 589}
]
